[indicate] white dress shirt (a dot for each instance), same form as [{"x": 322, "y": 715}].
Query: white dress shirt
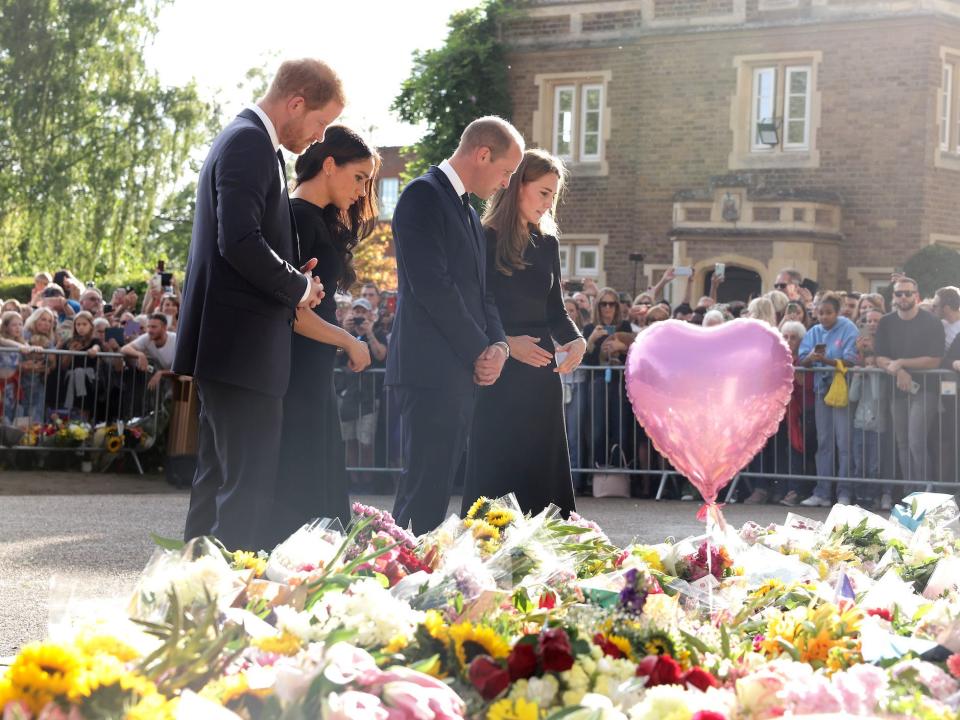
[
  {"x": 272, "y": 132},
  {"x": 447, "y": 169}
]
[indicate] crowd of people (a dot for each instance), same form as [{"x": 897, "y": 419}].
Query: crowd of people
[
  {"x": 65, "y": 314},
  {"x": 888, "y": 406}
]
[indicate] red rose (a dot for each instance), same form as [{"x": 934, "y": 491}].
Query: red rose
[
  {"x": 548, "y": 600},
  {"x": 522, "y": 662},
  {"x": 608, "y": 647},
  {"x": 708, "y": 715},
  {"x": 488, "y": 677},
  {"x": 660, "y": 669},
  {"x": 556, "y": 651},
  {"x": 882, "y": 613},
  {"x": 699, "y": 678}
]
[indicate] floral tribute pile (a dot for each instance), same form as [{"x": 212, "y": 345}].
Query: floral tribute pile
[{"x": 499, "y": 616}]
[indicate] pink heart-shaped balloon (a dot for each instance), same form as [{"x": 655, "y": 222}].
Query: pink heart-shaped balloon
[{"x": 709, "y": 398}]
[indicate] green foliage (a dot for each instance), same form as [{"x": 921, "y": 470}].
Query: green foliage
[
  {"x": 933, "y": 267},
  {"x": 92, "y": 146},
  {"x": 20, "y": 287},
  {"x": 449, "y": 87}
]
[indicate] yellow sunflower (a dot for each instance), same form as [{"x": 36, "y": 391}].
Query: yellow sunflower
[
  {"x": 91, "y": 643},
  {"x": 285, "y": 643},
  {"x": 651, "y": 557},
  {"x": 519, "y": 709},
  {"x": 769, "y": 586},
  {"x": 435, "y": 625},
  {"x": 471, "y": 640},
  {"x": 499, "y": 518},
  {"x": 396, "y": 644},
  {"x": 226, "y": 689},
  {"x": 43, "y": 672},
  {"x": 482, "y": 530},
  {"x": 245, "y": 560},
  {"x": 114, "y": 443},
  {"x": 479, "y": 508},
  {"x": 153, "y": 707}
]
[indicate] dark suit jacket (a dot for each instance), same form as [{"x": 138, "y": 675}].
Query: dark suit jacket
[
  {"x": 446, "y": 315},
  {"x": 242, "y": 284}
]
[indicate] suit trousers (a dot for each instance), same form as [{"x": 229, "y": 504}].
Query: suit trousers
[
  {"x": 434, "y": 427},
  {"x": 237, "y": 458}
]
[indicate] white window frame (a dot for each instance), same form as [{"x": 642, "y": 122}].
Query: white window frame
[
  {"x": 395, "y": 197},
  {"x": 755, "y": 119},
  {"x": 579, "y": 250},
  {"x": 556, "y": 129},
  {"x": 565, "y": 253},
  {"x": 584, "y": 156},
  {"x": 788, "y": 72}
]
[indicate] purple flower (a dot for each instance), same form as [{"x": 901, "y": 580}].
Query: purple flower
[{"x": 632, "y": 597}]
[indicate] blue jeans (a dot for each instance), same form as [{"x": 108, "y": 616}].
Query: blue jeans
[
  {"x": 833, "y": 447},
  {"x": 866, "y": 461}
]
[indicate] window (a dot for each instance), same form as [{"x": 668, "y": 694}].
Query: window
[
  {"x": 565, "y": 260},
  {"x": 585, "y": 109},
  {"x": 389, "y": 194},
  {"x": 947, "y": 154},
  {"x": 587, "y": 261},
  {"x": 573, "y": 119},
  {"x": 581, "y": 256},
  {"x": 787, "y": 112},
  {"x": 775, "y": 114}
]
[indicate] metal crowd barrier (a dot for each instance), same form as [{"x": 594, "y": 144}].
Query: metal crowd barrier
[
  {"x": 906, "y": 440},
  {"x": 71, "y": 401}
]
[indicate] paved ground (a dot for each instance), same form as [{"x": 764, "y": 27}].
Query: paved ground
[{"x": 87, "y": 536}]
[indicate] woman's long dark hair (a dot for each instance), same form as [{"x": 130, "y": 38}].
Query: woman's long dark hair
[{"x": 346, "y": 228}]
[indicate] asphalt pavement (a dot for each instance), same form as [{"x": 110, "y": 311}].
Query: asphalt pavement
[{"x": 73, "y": 538}]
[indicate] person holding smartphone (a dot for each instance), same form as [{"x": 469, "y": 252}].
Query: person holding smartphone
[{"x": 833, "y": 339}]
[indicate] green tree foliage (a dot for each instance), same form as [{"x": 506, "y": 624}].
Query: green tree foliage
[
  {"x": 93, "y": 149},
  {"x": 449, "y": 87},
  {"x": 933, "y": 267}
]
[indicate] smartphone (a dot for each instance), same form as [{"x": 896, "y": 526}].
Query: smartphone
[
  {"x": 811, "y": 285},
  {"x": 392, "y": 303},
  {"x": 574, "y": 286},
  {"x": 820, "y": 348},
  {"x": 683, "y": 271},
  {"x": 107, "y": 309},
  {"x": 131, "y": 329},
  {"x": 720, "y": 269},
  {"x": 161, "y": 266},
  {"x": 166, "y": 279},
  {"x": 115, "y": 333}
]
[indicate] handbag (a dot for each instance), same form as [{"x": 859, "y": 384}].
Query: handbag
[
  {"x": 837, "y": 396},
  {"x": 612, "y": 484}
]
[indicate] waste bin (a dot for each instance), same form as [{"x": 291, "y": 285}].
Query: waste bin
[{"x": 182, "y": 434}]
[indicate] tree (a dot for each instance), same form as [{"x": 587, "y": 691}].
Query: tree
[
  {"x": 93, "y": 148},
  {"x": 449, "y": 87},
  {"x": 371, "y": 259},
  {"x": 933, "y": 267}
]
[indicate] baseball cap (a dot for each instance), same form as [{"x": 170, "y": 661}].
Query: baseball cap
[{"x": 364, "y": 303}]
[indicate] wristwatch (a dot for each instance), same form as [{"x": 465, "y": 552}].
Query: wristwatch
[{"x": 505, "y": 346}]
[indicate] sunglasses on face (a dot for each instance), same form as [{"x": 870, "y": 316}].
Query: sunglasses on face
[
  {"x": 903, "y": 293},
  {"x": 643, "y": 304},
  {"x": 608, "y": 303},
  {"x": 780, "y": 286}
]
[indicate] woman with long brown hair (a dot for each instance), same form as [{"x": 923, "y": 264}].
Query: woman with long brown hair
[
  {"x": 518, "y": 442},
  {"x": 335, "y": 208}
]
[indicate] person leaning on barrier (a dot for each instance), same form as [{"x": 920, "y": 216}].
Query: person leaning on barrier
[
  {"x": 946, "y": 306},
  {"x": 910, "y": 339},
  {"x": 156, "y": 348}
]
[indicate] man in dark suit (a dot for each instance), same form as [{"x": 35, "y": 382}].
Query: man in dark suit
[
  {"x": 241, "y": 294},
  {"x": 447, "y": 337}
]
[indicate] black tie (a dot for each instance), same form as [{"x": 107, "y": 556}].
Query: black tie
[
  {"x": 465, "y": 199},
  {"x": 283, "y": 166}
]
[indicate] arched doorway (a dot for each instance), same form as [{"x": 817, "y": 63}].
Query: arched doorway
[{"x": 739, "y": 284}]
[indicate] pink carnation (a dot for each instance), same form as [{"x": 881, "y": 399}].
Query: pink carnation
[{"x": 953, "y": 665}]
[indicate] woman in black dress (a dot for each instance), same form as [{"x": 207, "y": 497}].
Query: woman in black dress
[
  {"x": 518, "y": 441},
  {"x": 335, "y": 208}
]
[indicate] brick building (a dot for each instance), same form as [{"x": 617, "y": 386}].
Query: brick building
[{"x": 817, "y": 134}]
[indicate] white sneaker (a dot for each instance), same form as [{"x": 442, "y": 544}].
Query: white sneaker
[
  {"x": 886, "y": 502},
  {"x": 815, "y": 501},
  {"x": 843, "y": 499}
]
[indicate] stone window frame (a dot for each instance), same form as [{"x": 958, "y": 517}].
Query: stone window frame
[
  {"x": 388, "y": 200},
  {"x": 546, "y": 112},
  {"x": 572, "y": 242},
  {"x": 743, "y": 155},
  {"x": 947, "y": 241},
  {"x": 948, "y": 110}
]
